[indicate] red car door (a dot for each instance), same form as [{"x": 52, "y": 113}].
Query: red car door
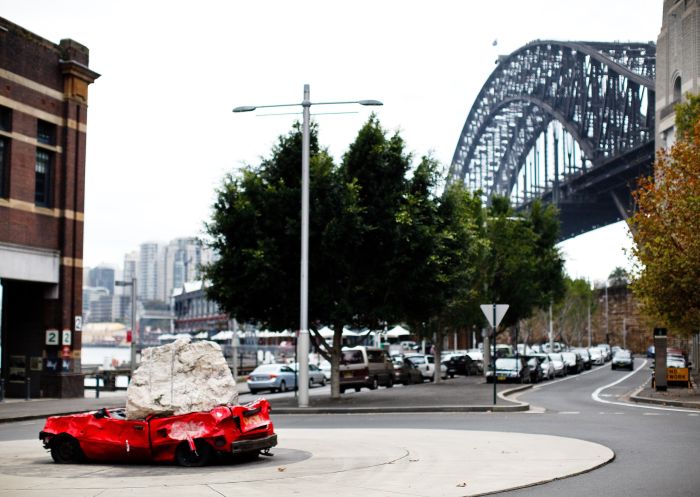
[{"x": 109, "y": 439}]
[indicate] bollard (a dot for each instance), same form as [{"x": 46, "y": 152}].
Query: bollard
[
  {"x": 97, "y": 386},
  {"x": 2, "y": 389},
  {"x": 28, "y": 394}
]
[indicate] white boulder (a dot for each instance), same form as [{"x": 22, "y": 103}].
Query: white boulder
[{"x": 178, "y": 378}]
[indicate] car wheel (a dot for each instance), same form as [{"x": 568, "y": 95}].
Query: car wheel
[
  {"x": 66, "y": 450},
  {"x": 283, "y": 386},
  {"x": 374, "y": 385},
  {"x": 323, "y": 382},
  {"x": 390, "y": 383},
  {"x": 253, "y": 391},
  {"x": 184, "y": 456}
]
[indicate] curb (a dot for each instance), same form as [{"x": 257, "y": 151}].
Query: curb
[
  {"x": 519, "y": 407},
  {"x": 663, "y": 402},
  {"x": 30, "y": 417}
]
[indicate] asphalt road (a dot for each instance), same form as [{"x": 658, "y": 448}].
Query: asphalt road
[{"x": 656, "y": 447}]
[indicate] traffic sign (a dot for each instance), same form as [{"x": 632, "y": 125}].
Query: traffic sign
[{"x": 488, "y": 310}]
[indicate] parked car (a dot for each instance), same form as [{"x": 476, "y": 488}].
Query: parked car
[
  {"x": 478, "y": 357},
  {"x": 651, "y": 351},
  {"x": 191, "y": 439},
  {"x": 547, "y": 366},
  {"x": 509, "y": 369},
  {"x": 460, "y": 364},
  {"x": 405, "y": 372},
  {"x": 272, "y": 377},
  {"x": 586, "y": 355},
  {"x": 325, "y": 368},
  {"x": 597, "y": 356},
  {"x": 534, "y": 365},
  {"x": 426, "y": 365},
  {"x": 367, "y": 367},
  {"x": 558, "y": 363},
  {"x": 607, "y": 351},
  {"x": 573, "y": 361},
  {"x": 316, "y": 376},
  {"x": 622, "y": 359}
]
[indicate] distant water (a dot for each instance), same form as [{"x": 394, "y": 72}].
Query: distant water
[{"x": 101, "y": 356}]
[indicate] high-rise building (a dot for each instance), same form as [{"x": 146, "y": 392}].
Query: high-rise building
[
  {"x": 102, "y": 276},
  {"x": 148, "y": 272},
  {"x": 43, "y": 130}
]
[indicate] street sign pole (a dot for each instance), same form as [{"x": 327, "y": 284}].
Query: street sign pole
[
  {"x": 494, "y": 315},
  {"x": 493, "y": 354}
]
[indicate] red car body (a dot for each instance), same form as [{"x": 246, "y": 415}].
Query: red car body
[{"x": 189, "y": 439}]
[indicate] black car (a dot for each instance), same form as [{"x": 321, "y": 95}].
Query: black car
[
  {"x": 405, "y": 372},
  {"x": 460, "y": 364}
]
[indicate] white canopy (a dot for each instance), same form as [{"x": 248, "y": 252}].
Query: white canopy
[
  {"x": 397, "y": 331},
  {"x": 201, "y": 335},
  {"x": 166, "y": 336},
  {"x": 223, "y": 335}
]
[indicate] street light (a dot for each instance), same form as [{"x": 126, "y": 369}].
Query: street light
[
  {"x": 303, "y": 344},
  {"x": 134, "y": 325}
]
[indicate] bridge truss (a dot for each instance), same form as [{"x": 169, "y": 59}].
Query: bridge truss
[{"x": 568, "y": 122}]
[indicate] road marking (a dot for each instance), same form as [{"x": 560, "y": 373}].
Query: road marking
[
  {"x": 570, "y": 412},
  {"x": 597, "y": 396},
  {"x": 654, "y": 414}
]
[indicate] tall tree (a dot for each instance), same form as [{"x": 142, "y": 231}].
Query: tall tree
[
  {"x": 523, "y": 268},
  {"x": 666, "y": 250}
]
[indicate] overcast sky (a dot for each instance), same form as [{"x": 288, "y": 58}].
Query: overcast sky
[{"x": 160, "y": 129}]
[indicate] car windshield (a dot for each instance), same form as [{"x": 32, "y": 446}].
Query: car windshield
[
  {"x": 509, "y": 364},
  {"x": 622, "y": 354}
]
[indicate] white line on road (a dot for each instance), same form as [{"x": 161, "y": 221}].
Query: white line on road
[
  {"x": 569, "y": 412},
  {"x": 597, "y": 397},
  {"x": 569, "y": 377}
]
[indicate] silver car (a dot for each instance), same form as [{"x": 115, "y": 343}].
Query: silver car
[
  {"x": 272, "y": 377},
  {"x": 316, "y": 375}
]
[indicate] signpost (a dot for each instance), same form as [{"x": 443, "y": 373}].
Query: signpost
[{"x": 494, "y": 315}]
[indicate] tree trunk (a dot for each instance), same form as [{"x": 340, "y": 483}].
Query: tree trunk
[{"x": 437, "y": 346}]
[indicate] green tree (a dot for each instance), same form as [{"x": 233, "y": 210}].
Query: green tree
[
  {"x": 666, "y": 250},
  {"x": 571, "y": 313},
  {"x": 524, "y": 268}
]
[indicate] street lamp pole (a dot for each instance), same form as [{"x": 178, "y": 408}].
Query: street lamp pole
[
  {"x": 303, "y": 341},
  {"x": 132, "y": 284}
]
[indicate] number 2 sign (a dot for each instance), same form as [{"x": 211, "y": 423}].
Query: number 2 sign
[{"x": 52, "y": 337}]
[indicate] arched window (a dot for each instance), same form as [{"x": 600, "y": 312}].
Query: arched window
[{"x": 677, "y": 89}]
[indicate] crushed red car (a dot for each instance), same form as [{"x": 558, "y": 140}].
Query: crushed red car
[{"x": 191, "y": 439}]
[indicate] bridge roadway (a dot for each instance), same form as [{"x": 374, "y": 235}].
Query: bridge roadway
[{"x": 573, "y": 427}]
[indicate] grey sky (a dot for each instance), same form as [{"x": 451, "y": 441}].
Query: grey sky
[{"x": 161, "y": 132}]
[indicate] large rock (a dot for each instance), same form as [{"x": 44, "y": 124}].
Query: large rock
[{"x": 178, "y": 378}]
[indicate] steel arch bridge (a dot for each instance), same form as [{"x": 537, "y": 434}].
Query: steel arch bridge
[{"x": 570, "y": 123}]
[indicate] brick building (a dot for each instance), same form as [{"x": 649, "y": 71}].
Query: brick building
[{"x": 43, "y": 124}]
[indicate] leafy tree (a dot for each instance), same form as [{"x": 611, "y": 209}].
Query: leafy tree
[
  {"x": 571, "y": 313},
  {"x": 665, "y": 228},
  {"x": 619, "y": 277},
  {"x": 524, "y": 268}
]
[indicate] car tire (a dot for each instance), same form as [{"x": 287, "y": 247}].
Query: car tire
[
  {"x": 252, "y": 391},
  {"x": 66, "y": 450},
  {"x": 323, "y": 382},
  {"x": 283, "y": 386},
  {"x": 391, "y": 382},
  {"x": 374, "y": 385},
  {"x": 189, "y": 459}
]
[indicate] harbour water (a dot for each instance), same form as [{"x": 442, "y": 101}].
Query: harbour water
[{"x": 105, "y": 356}]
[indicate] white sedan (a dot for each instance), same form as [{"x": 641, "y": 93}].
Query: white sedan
[{"x": 426, "y": 366}]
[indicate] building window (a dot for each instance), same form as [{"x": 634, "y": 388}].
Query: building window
[
  {"x": 677, "y": 90},
  {"x": 5, "y": 119},
  {"x": 46, "y": 133},
  {"x": 42, "y": 181}
]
